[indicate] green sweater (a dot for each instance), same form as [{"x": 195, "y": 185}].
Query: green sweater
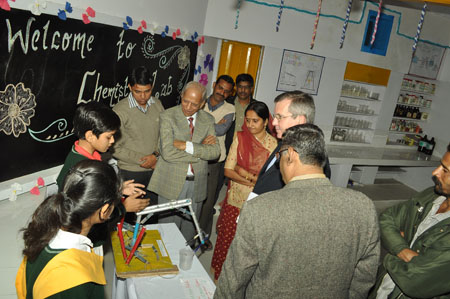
[
  {"x": 139, "y": 134},
  {"x": 426, "y": 275},
  {"x": 72, "y": 158},
  {"x": 33, "y": 269}
]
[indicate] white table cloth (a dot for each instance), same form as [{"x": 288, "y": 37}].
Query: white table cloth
[{"x": 167, "y": 286}]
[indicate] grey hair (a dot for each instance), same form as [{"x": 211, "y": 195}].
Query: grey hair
[
  {"x": 301, "y": 104},
  {"x": 198, "y": 86},
  {"x": 308, "y": 141}
]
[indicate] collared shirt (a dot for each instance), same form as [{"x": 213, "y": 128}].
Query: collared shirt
[
  {"x": 68, "y": 240},
  {"x": 189, "y": 146},
  {"x": 388, "y": 285},
  {"x": 95, "y": 155},
  {"x": 240, "y": 111},
  {"x": 308, "y": 176},
  {"x": 133, "y": 103}
]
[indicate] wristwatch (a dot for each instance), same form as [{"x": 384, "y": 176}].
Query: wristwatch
[{"x": 156, "y": 154}]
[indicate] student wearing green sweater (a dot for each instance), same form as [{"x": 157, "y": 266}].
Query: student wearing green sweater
[{"x": 59, "y": 259}]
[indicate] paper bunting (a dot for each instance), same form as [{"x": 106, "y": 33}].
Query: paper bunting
[
  {"x": 344, "y": 28},
  {"x": 238, "y": 8},
  {"x": 176, "y": 33},
  {"x": 142, "y": 27},
  {"x": 280, "y": 12},
  {"x": 375, "y": 27},
  {"x": 14, "y": 188},
  {"x": 203, "y": 79},
  {"x": 40, "y": 183},
  {"x": 316, "y": 22},
  {"x": 194, "y": 36},
  {"x": 165, "y": 31},
  {"x": 89, "y": 13},
  {"x": 62, "y": 13},
  {"x": 5, "y": 5},
  {"x": 198, "y": 70},
  {"x": 209, "y": 62},
  {"x": 37, "y": 6},
  {"x": 201, "y": 41},
  {"x": 128, "y": 24},
  {"x": 419, "y": 27},
  {"x": 153, "y": 28}
]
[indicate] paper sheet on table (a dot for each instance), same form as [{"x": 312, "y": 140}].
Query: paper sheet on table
[{"x": 197, "y": 288}]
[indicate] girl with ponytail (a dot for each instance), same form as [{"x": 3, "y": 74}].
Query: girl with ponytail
[{"x": 59, "y": 260}]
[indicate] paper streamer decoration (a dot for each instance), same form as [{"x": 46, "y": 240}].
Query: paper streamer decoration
[
  {"x": 315, "y": 24},
  {"x": 419, "y": 27},
  {"x": 237, "y": 14},
  {"x": 280, "y": 12},
  {"x": 344, "y": 28},
  {"x": 375, "y": 27}
]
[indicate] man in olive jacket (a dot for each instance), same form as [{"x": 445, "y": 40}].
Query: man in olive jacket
[{"x": 417, "y": 235}]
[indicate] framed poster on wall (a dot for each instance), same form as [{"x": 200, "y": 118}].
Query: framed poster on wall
[
  {"x": 300, "y": 71},
  {"x": 426, "y": 61}
]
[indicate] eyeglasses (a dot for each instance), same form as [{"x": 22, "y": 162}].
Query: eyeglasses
[
  {"x": 278, "y": 154},
  {"x": 280, "y": 117}
]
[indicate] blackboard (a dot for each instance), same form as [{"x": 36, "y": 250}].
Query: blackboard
[{"x": 48, "y": 66}]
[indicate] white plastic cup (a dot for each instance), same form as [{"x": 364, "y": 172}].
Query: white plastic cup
[{"x": 186, "y": 258}]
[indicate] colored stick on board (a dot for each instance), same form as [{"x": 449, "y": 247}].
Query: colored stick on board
[
  {"x": 375, "y": 27},
  {"x": 419, "y": 27},
  {"x": 280, "y": 12},
  {"x": 135, "y": 246},
  {"x": 122, "y": 243},
  {"x": 344, "y": 28},
  {"x": 316, "y": 22},
  {"x": 237, "y": 14}
]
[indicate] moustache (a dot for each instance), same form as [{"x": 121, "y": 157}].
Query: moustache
[{"x": 436, "y": 181}]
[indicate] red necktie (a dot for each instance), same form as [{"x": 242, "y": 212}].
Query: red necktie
[
  {"x": 191, "y": 130},
  {"x": 191, "y": 126}
]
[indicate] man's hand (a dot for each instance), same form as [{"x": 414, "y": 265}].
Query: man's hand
[
  {"x": 149, "y": 161},
  {"x": 134, "y": 204},
  {"x": 210, "y": 139},
  {"x": 222, "y": 121},
  {"x": 131, "y": 188},
  {"x": 407, "y": 254},
  {"x": 181, "y": 145}
]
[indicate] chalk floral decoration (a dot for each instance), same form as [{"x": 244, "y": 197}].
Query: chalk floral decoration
[
  {"x": 183, "y": 57},
  {"x": 37, "y": 6},
  {"x": 17, "y": 105},
  {"x": 5, "y": 5}
]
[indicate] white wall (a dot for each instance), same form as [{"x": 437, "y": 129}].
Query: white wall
[{"x": 257, "y": 26}]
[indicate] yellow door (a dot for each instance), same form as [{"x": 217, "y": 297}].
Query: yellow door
[{"x": 237, "y": 58}]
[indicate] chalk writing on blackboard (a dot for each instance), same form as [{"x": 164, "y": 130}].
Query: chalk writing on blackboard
[{"x": 65, "y": 63}]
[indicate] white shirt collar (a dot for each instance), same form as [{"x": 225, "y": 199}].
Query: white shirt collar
[{"x": 68, "y": 240}]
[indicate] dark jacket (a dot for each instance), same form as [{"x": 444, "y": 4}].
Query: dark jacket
[{"x": 271, "y": 179}]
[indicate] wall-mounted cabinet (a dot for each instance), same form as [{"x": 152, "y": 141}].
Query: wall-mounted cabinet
[
  {"x": 357, "y": 112},
  {"x": 411, "y": 111}
]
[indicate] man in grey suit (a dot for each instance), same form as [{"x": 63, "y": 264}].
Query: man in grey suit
[
  {"x": 310, "y": 239},
  {"x": 187, "y": 142}
]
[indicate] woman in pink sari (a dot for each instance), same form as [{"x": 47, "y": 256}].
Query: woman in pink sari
[{"x": 249, "y": 151}]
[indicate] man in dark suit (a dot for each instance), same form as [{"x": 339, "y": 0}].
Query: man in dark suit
[
  {"x": 187, "y": 142},
  {"x": 310, "y": 239},
  {"x": 291, "y": 108}
]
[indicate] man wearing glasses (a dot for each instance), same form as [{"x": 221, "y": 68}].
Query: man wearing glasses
[
  {"x": 310, "y": 239},
  {"x": 291, "y": 108}
]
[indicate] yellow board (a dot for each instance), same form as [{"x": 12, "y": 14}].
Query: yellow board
[
  {"x": 137, "y": 268},
  {"x": 366, "y": 73}
]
